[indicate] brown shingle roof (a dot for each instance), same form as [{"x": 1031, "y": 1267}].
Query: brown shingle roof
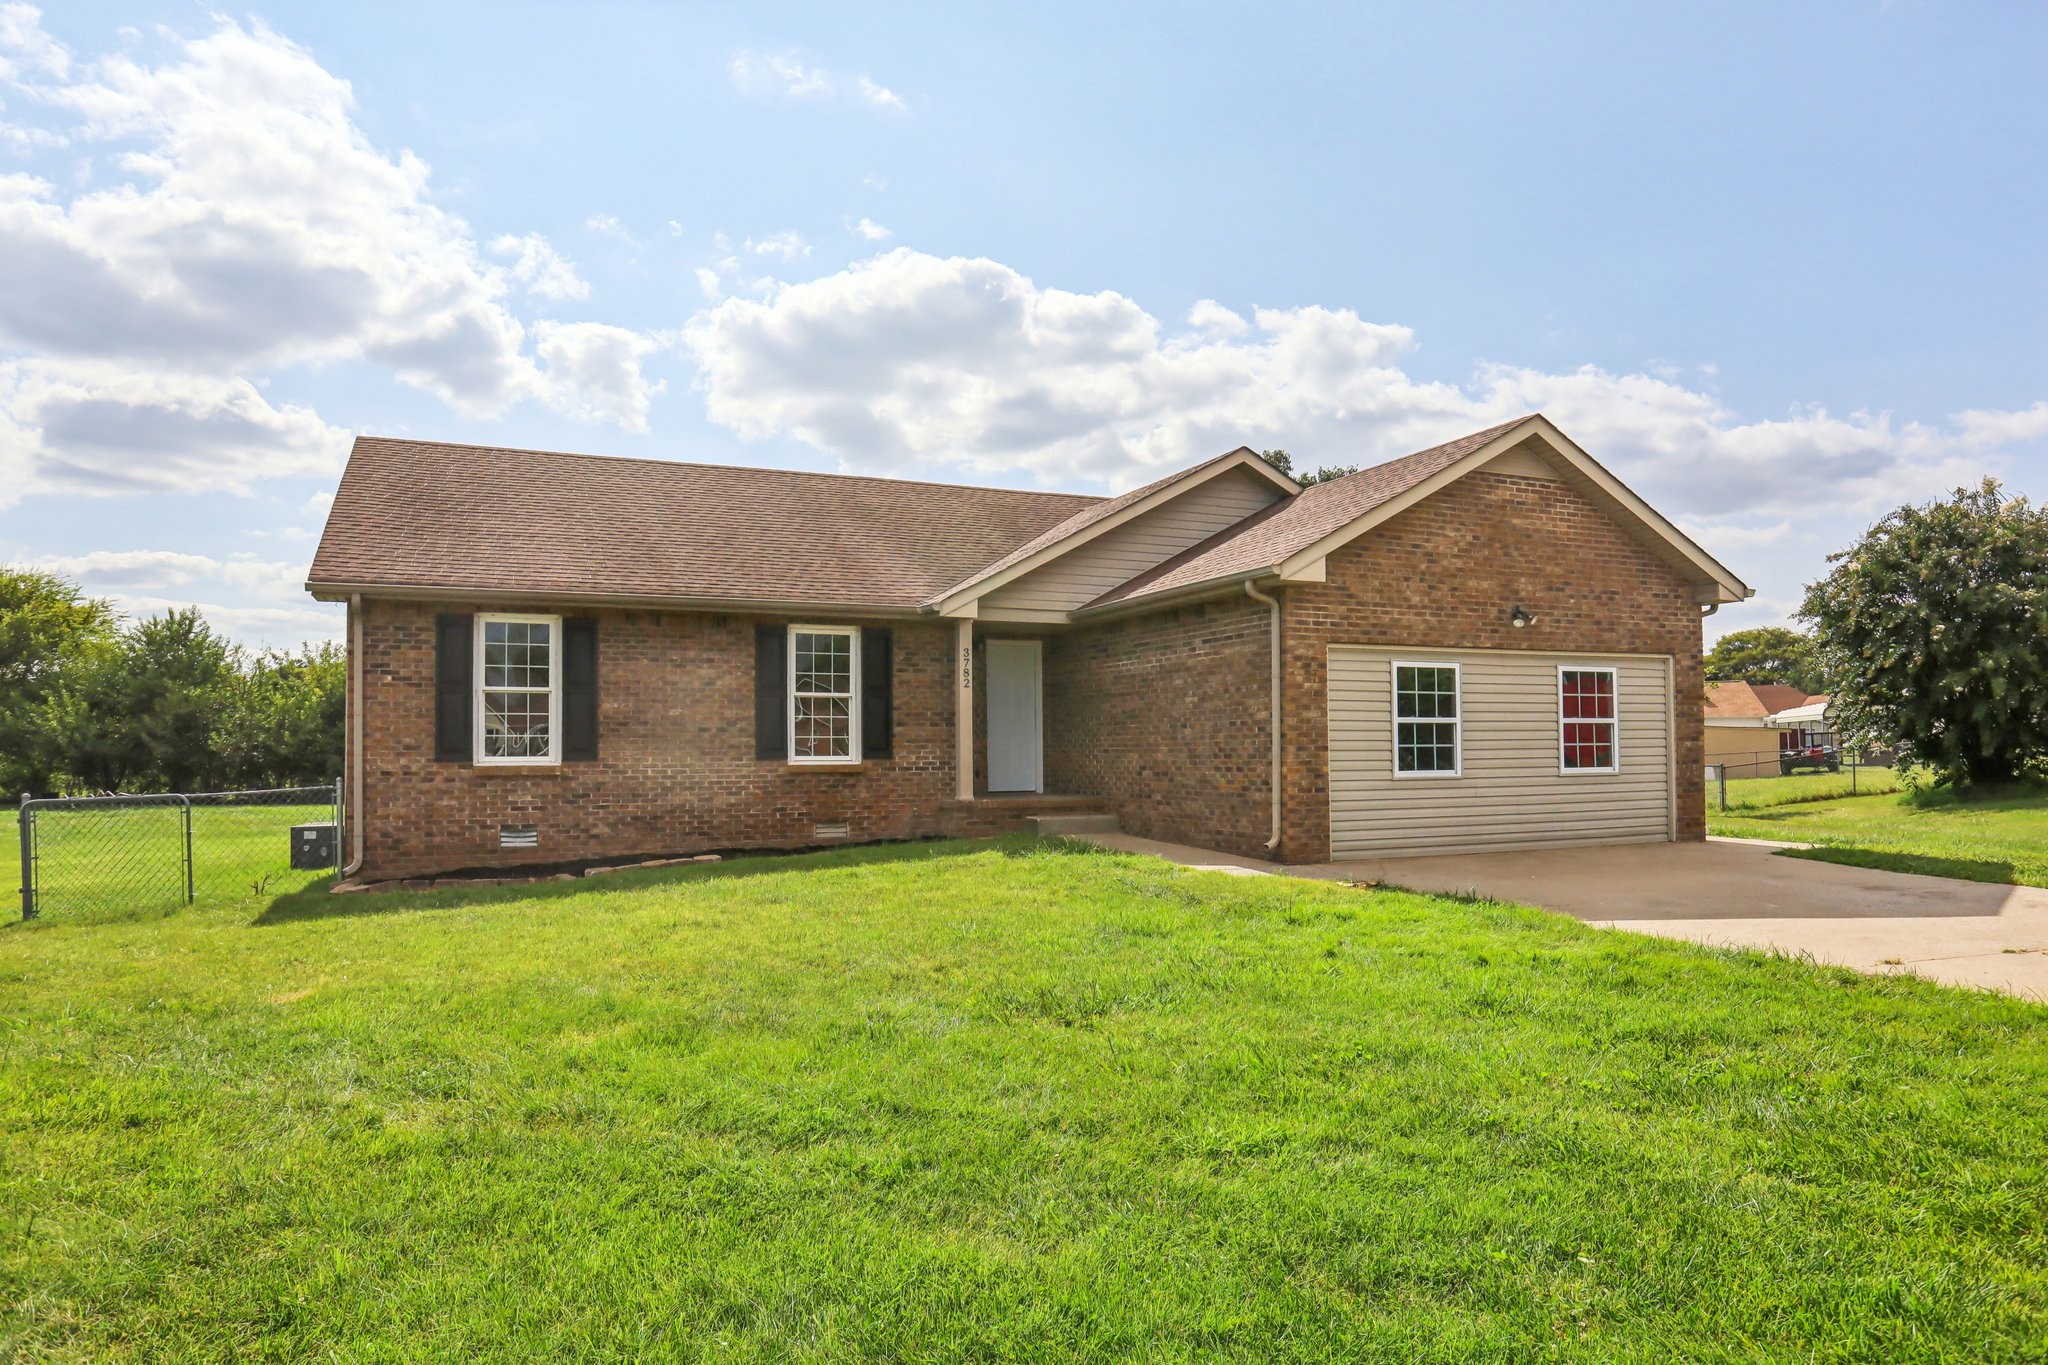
[
  {"x": 1266, "y": 538},
  {"x": 1752, "y": 701},
  {"x": 430, "y": 515},
  {"x": 1085, "y": 518}
]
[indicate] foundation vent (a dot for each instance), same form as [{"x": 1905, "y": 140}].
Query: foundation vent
[
  {"x": 837, "y": 831},
  {"x": 518, "y": 836}
]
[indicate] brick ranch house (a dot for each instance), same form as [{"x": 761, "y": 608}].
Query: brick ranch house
[{"x": 1490, "y": 644}]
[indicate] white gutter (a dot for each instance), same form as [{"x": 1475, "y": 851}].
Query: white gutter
[
  {"x": 354, "y": 711},
  {"x": 1274, "y": 603}
]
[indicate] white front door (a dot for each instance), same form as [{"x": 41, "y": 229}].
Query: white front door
[{"x": 1015, "y": 748}]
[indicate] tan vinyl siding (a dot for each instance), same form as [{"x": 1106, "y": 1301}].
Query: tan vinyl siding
[
  {"x": 1511, "y": 794},
  {"x": 1086, "y": 572}
]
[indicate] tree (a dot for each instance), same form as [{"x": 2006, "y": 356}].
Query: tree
[
  {"x": 1933, "y": 635},
  {"x": 1766, "y": 654},
  {"x": 284, "y": 720},
  {"x": 47, "y": 625},
  {"x": 145, "y": 715},
  {"x": 1284, "y": 462}
]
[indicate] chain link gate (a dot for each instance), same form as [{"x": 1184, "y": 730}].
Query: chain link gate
[{"x": 160, "y": 851}]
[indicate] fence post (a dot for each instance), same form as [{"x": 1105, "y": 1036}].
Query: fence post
[
  {"x": 339, "y": 822},
  {"x": 187, "y": 802},
  {"x": 1721, "y": 775},
  {"x": 26, "y": 821}
]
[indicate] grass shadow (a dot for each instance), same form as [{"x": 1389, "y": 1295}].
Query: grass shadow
[
  {"x": 1920, "y": 864},
  {"x": 318, "y": 903}
]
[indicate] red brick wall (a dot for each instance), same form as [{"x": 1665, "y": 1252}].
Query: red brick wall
[
  {"x": 1444, "y": 574},
  {"x": 676, "y": 771},
  {"x": 1165, "y": 715}
]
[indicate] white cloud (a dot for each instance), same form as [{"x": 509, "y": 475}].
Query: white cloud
[
  {"x": 1741, "y": 537},
  {"x": 259, "y": 601},
  {"x": 592, "y": 371},
  {"x": 24, "y": 47},
  {"x": 909, "y": 361},
  {"x": 260, "y": 626},
  {"x": 1210, "y": 316},
  {"x": 790, "y": 246},
  {"x": 539, "y": 267},
  {"x": 249, "y": 227},
  {"x": 98, "y": 428},
  {"x": 778, "y": 73},
  {"x": 789, "y": 75},
  {"x": 25, "y": 140},
  {"x": 132, "y": 568},
  {"x": 606, "y": 225},
  {"x": 867, "y": 229},
  {"x": 881, "y": 96}
]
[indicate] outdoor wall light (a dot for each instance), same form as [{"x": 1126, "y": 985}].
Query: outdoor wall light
[{"x": 1519, "y": 618}]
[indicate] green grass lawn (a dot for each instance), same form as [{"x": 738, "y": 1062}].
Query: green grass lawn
[
  {"x": 115, "y": 863},
  {"x": 1996, "y": 839},
  {"x": 1006, "y": 1101},
  {"x": 1761, "y": 793}
]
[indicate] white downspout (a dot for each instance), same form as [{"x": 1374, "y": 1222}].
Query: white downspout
[
  {"x": 354, "y": 713},
  {"x": 1274, "y": 604}
]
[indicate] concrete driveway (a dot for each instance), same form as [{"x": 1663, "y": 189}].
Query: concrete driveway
[
  {"x": 1732, "y": 892},
  {"x": 1739, "y": 892}
]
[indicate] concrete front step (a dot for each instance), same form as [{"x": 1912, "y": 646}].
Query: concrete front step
[{"x": 1046, "y": 826}]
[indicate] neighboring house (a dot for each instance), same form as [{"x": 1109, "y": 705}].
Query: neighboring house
[
  {"x": 1749, "y": 724},
  {"x": 560, "y": 657}
]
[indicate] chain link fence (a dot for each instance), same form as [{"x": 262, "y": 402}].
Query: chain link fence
[
  {"x": 102, "y": 856},
  {"x": 1759, "y": 785}
]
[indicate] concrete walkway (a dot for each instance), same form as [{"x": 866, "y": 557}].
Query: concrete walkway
[{"x": 1730, "y": 892}]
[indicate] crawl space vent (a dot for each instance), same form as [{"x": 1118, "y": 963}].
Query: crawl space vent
[
  {"x": 518, "y": 836},
  {"x": 838, "y": 831}
]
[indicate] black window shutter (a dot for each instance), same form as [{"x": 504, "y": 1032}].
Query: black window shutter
[
  {"x": 454, "y": 663},
  {"x": 579, "y": 689},
  {"x": 877, "y": 694},
  {"x": 771, "y": 692}
]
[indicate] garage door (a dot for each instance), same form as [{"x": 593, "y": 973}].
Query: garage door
[{"x": 1444, "y": 751}]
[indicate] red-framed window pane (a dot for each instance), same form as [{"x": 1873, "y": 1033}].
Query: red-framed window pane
[
  {"x": 1587, "y": 694},
  {"x": 1586, "y": 717}
]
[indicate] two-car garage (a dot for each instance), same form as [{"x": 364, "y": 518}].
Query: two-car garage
[{"x": 1444, "y": 751}]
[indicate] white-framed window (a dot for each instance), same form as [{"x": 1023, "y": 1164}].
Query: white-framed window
[
  {"x": 824, "y": 694},
  {"x": 1428, "y": 720},
  {"x": 1588, "y": 720},
  {"x": 518, "y": 688}
]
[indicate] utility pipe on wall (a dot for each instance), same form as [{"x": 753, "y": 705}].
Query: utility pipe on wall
[
  {"x": 1274, "y": 604},
  {"x": 355, "y": 735}
]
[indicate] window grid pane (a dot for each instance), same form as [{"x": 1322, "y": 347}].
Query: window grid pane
[
  {"x": 516, "y": 724},
  {"x": 1427, "y": 747},
  {"x": 516, "y": 691},
  {"x": 1425, "y": 719},
  {"x": 1586, "y": 712},
  {"x": 824, "y": 728},
  {"x": 824, "y": 665},
  {"x": 1425, "y": 693},
  {"x": 821, "y": 701}
]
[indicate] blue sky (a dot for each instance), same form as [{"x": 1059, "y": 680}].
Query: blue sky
[{"x": 1781, "y": 267}]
